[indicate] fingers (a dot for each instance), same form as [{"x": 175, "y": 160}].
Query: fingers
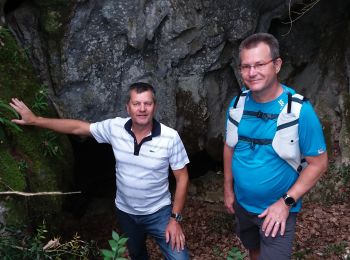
[
  {"x": 27, "y": 116},
  {"x": 173, "y": 242},
  {"x": 283, "y": 228},
  {"x": 230, "y": 209},
  {"x": 264, "y": 214},
  {"x": 167, "y": 237},
  {"x": 275, "y": 219},
  {"x": 229, "y": 200},
  {"x": 271, "y": 227},
  {"x": 17, "y": 121},
  {"x": 181, "y": 243},
  {"x": 177, "y": 240},
  {"x": 15, "y": 102},
  {"x": 275, "y": 228}
]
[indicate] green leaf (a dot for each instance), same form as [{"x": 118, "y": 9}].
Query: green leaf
[
  {"x": 107, "y": 253},
  {"x": 122, "y": 241},
  {"x": 115, "y": 235},
  {"x": 13, "y": 125},
  {"x": 113, "y": 244},
  {"x": 8, "y": 108},
  {"x": 121, "y": 250}
]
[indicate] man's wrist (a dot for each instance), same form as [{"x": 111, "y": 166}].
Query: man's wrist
[
  {"x": 176, "y": 216},
  {"x": 289, "y": 200}
]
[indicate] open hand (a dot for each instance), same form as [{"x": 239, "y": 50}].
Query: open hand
[
  {"x": 27, "y": 116},
  {"x": 275, "y": 218},
  {"x": 175, "y": 235}
]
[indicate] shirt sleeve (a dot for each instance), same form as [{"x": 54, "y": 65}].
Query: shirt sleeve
[
  {"x": 311, "y": 138},
  {"x": 101, "y": 131},
  {"x": 178, "y": 156}
]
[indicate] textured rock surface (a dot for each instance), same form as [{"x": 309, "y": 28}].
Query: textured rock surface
[{"x": 88, "y": 52}]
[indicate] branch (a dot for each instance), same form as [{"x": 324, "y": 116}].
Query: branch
[
  {"x": 30, "y": 194},
  {"x": 304, "y": 10}
]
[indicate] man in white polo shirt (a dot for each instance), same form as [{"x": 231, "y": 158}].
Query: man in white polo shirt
[{"x": 144, "y": 149}]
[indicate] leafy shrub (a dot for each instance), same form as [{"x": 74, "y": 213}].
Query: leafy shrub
[
  {"x": 50, "y": 145},
  {"x": 40, "y": 102},
  {"x": 235, "y": 254},
  {"x": 16, "y": 244},
  {"x": 5, "y": 112},
  {"x": 118, "y": 247}
]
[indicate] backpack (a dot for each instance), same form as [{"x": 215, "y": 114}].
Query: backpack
[{"x": 286, "y": 139}]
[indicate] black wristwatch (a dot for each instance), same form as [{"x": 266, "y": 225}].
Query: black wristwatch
[
  {"x": 290, "y": 201},
  {"x": 177, "y": 217}
]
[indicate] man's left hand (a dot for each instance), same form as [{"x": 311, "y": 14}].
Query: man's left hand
[
  {"x": 175, "y": 235},
  {"x": 275, "y": 218}
]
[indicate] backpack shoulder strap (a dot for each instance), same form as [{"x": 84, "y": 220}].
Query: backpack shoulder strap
[
  {"x": 238, "y": 101},
  {"x": 297, "y": 98}
]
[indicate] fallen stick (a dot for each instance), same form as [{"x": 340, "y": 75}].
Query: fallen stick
[{"x": 45, "y": 193}]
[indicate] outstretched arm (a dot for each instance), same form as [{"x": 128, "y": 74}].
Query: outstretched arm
[
  {"x": 173, "y": 232},
  {"x": 66, "y": 126}
]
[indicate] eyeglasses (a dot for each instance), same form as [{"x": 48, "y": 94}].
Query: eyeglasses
[{"x": 245, "y": 68}]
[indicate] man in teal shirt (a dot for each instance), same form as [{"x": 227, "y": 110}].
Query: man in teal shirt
[{"x": 261, "y": 187}]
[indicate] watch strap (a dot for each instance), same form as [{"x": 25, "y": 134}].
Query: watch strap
[
  {"x": 176, "y": 216},
  {"x": 288, "y": 200}
]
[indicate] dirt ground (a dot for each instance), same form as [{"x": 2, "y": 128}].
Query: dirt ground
[{"x": 322, "y": 231}]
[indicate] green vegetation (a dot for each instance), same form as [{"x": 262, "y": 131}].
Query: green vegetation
[
  {"x": 235, "y": 254},
  {"x": 16, "y": 244},
  {"x": 301, "y": 254},
  {"x": 5, "y": 121},
  {"x": 53, "y": 15},
  {"x": 22, "y": 164},
  {"x": 40, "y": 105},
  {"x": 118, "y": 248},
  {"x": 50, "y": 145},
  {"x": 337, "y": 249}
]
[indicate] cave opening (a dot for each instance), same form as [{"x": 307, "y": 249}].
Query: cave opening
[
  {"x": 94, "y": 171},
  {"x": 94, "y": 174}
]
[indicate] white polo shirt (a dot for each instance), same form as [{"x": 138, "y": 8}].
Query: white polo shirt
[{"x": 141, "y": 169}]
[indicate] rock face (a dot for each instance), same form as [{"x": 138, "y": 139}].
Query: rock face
[{"x": 88, "y": 52}]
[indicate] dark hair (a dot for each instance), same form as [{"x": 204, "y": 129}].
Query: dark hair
[
  {"x": 253, "y": 40},
  {"x": 141, "y": 87}
]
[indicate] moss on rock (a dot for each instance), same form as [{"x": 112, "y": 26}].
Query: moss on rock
[
  {"x": 23, "y": 164},
  {"x": 54, "y": 15}
]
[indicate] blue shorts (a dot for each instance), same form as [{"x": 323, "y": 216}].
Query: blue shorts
[
  {"x": 248, "y": 229},
  {"x": 137, "y": 227}
]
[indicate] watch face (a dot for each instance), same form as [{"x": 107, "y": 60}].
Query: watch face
[
  {"x": 289, "y": 201},
  {"x": 176, "y": 216}
]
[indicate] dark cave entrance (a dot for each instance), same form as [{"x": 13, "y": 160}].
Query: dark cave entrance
[{"x": 95, "y": 173}]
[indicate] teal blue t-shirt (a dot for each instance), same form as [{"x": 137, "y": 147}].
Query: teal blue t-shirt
[{"x": 260, "y": 176}]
